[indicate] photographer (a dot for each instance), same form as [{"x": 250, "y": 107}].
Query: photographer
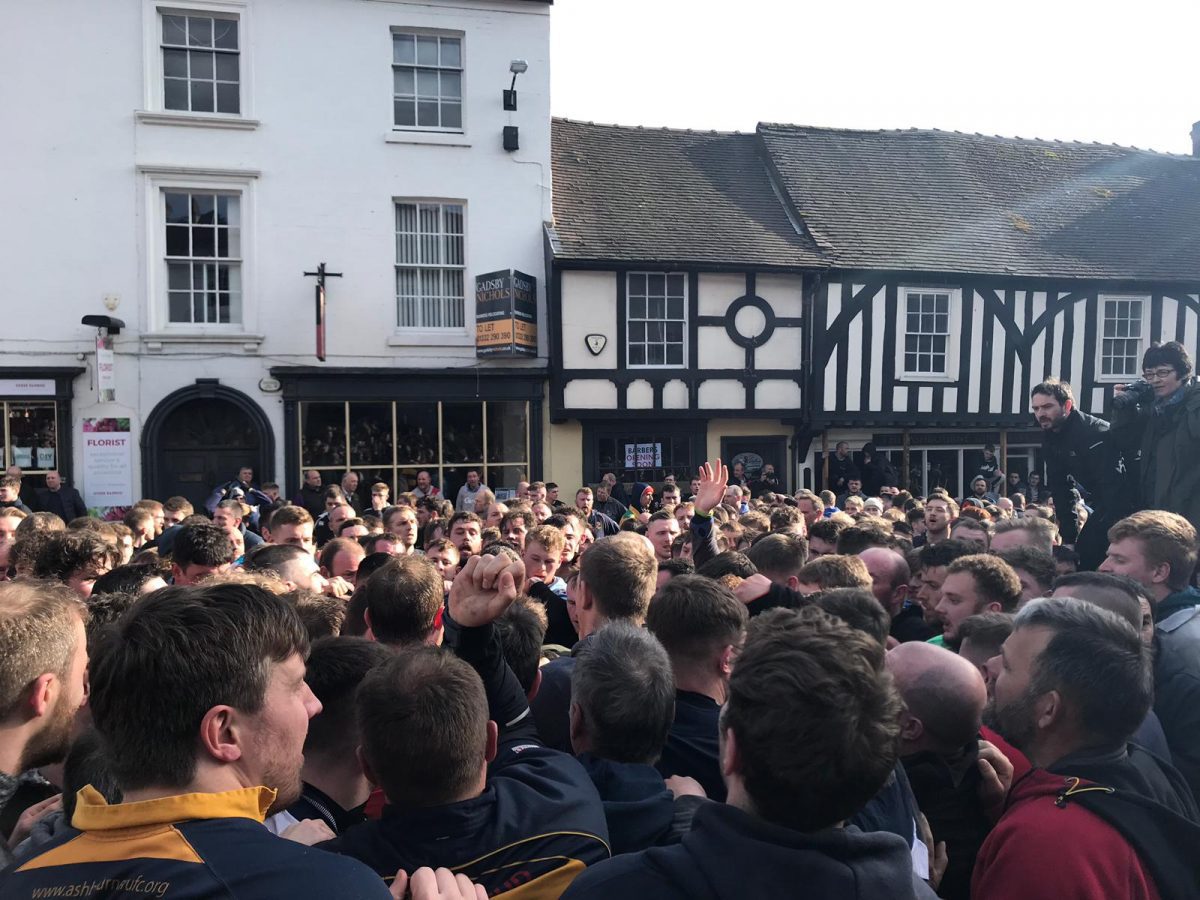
[{"x": 1162, "y": 412}]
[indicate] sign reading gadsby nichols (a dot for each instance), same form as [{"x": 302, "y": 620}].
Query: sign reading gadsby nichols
[{"x": 505, "y": 314}]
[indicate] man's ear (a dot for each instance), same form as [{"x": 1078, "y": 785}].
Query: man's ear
[
  {"x": 583, "y": 597},
  {"x": 575, "y": 719},
  {"x": 731, "y": 761},
  {"x": 221, "y": 734},
  {"x": 176, "y": 572},
  {"x": 793, "y": 583},
  {"x": 911, "y": 728},
  {"x": 1161, "y": 573},
  {"x": 368, "y": 772},
  {"x": 369, "y": 634},
  {"x": 726, "y": 660},
  {"x": 1049, "y": 710},
  {"x": 493, "y": 741},
  {"x": 42, "y": 693}
]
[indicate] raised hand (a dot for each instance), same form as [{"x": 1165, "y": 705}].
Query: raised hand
[
  {"x": 484, "y": 588},
  {"x": 714, "y": 479}
]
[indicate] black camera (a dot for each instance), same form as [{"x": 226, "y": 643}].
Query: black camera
[{"x": 1135, "y": 392}]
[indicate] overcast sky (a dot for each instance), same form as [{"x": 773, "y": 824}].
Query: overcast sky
[{"x": 1125, "y": 73}]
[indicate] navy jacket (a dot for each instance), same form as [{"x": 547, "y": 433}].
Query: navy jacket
[
  {"x": 692, "y": 743},
  {"x": 537, "y": 824},
  {"x": 729, "y": 855},
  {"x": 641, "y": 812}
]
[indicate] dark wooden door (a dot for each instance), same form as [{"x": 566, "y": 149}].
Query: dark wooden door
[
  {"x": 754, "y": 452},
  {"x": 202, "y": 444}
]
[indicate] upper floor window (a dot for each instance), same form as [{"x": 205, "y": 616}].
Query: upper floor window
[
  {"x": 201, "y": 63},
  {"x": 427, "y": 76},
  {"x": 1121, "y": 336},
  {"x": 430, "y": 265},
  {"x": 656, "y": 319},
  {"x": 203, "y": 244},
  {"x": 926, "y": 332}
]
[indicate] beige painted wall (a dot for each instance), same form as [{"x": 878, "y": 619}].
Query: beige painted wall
[
  {"x": 563, "y": 455},
  {"x": 719, "y": 428}
]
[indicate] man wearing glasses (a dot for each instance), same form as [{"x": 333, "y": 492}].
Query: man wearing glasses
[
  {"x": 1080, "y": 455},
  {"x": 1162, "y": 415}
]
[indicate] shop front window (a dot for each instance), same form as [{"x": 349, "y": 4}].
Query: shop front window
[
  {"x": 393, "y": 441},
  {"x": 30, "y": 436},
  {"x": 645, "y": 457}
]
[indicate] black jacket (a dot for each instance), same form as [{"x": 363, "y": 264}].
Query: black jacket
[
  {"x": 1177, "y": 680},
  {"x": 947, "y": 791},
  {"x": 312, "y": 499},
  {"x": 729, "y": 855},
  {"x": 1082, "y": 455},
  {"x": 641, "y": 812},
  {"x": 840, "y": 471},
  {"x": 64, "y": 503}
]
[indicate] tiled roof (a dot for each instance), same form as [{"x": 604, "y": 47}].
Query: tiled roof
[
  {"x": 945, "y": 201},
  {"x": 646, "y": 195}
]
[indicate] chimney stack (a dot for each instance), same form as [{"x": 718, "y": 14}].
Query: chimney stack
[{"x": 1196, "y": 140}]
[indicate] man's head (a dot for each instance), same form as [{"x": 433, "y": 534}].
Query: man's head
[
  {"x": 444, "y": 556},
  {"x": 979, "y": 486},
  {"x": 980, "y": 638},
  {"x": 810, "y": 507},
  {"x": 43, "y": 670},
  {"x": 944, "y": 696},
  {"x": 53, "y": 480},
  {"x": 402, "y": 522},
  {"x": 515, "y": 525},
  {"x": 940, "y": 512},
  {"x": 1119, "y": 594},
  {"x": 854, "y": 484},
  {"x": 810, "y": 731},
  {"x": 336, "y": 667},
  {"x": 140, "y": 521},
  {"x": 1052, "y": 402},
  {"x": 833, "y": 571},
  {"x": 464, "y": 531},
  {"x": 1155, "y": 548},
  {"x": 823, "y": 537},
  {"x": 670, "y": 497},
  {"x": 426, "y": 737},
  {"x": 350, "y": 483},
  {"x": 312, "y": 478},
  {"x": 246, "y": 475},
  {"x": 403, "y": 600},
  {"x": 542, "y": 553},
  {"x": 662, "y": 529},
  {"x": 205, "y": 684},
  {"x": 889, "y": 577},
  {"x": 616, "y": 581},
  {"x": 934, "y": 559},
  {"x": 584, "y": 500},
  {"x": 473, "y": 479},
  {"x": 10, "y": 488},
  {"x": 292, "y": 525},
  {"x": 176, "y": 509},
  {"x": 780, "y": 557},
  {"x": 522, "y": 631},
  {"x": 1034, "y": 567},
  {"x": 1024, "y": 532},
  {"x": 228, "y": 515},
  {"x": 701, "y": 624},
  {"x": 200, "y": 551},
  {"x": 1074, "y": 676},
  {"x": 340, "y": 558},
  {"x": 975, "y": 584},
  {"x": 622, "y": 695},
  {"x": 293, "y": 565},
  {"x": 77, "y": 559},
  {"x": 842, "y": 449}
]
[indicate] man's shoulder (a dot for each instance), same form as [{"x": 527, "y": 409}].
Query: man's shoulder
[{"x": 650, "y": 873}]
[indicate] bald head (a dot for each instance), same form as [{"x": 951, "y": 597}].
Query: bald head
[
  {"x": 943, "y": 694},
  {"x": 889, "y": 577}
]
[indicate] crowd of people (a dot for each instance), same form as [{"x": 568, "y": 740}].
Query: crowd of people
[{"x": 710, "y": 690}]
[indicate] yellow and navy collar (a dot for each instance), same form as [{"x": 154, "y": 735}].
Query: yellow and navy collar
[{"x": 94, "y": 813}]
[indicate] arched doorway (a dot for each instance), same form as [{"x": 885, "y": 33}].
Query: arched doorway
[{"x": 198, "y": 437}]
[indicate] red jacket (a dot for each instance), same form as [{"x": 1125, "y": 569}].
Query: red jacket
[{"x": 1040, "y": 850}]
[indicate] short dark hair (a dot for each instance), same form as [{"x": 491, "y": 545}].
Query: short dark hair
[
  {"x": 1097, "y": 660},
  {"x": 620, "y": 572},
  {"x": 201, "y": 545},
  {"x": 514, "y": 515},
  {"x": 782, "y": 555},
  {"x": 858, "y": 608},
  {"x": 86, "y": 764},
  {"x": 625, "y": 691},
  {"x": 403, "y": 599},
  {"x": 335, "y": 546},
  {"x": 321, "y": 614},
  {"x": 856, "y": 538},
  {"x": 129, "y": 578},
  {"x": 1056, "y": 388},
  {"x": 170, "y": 659},
  {"x": 816, "y": 718},
  {"x": 836, "y": 571},
  {"x": 988, "y": 629},
  {"x": 137, "y": 516},
  {"x": 1172, "y": 354},
  {"x": 422, "y": 716},
  {"x": 826, "y": 530},
  {"x": 1034, "y": 560},
  {"x": 677, "y": 567},
  {"x": 335, "y": 668},
  {"x": 522, "y": 630},
  {"x": 463, "y": 517},
  {"x": 694, "y": 617},
  {"x": 783, "y": 517},
  {"x": 730, "y": 562},
  {"x": 943, "y": 553}
]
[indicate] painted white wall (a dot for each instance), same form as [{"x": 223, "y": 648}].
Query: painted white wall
[
  {"x": 323, "y": 164},
  {"x": 589, "y": 306}
]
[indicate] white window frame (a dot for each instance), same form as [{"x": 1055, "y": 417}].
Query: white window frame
[
  {"x": 410, "y": 334},
  {"x": 953, "y": 331},
  {"x": 1143, "y": 340},
  {"x": 460, "y": 36},
  {"x": 684, "y": 321},
  {"x": 154, "y": 111},
  {"x": 158, "y": 181}
]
